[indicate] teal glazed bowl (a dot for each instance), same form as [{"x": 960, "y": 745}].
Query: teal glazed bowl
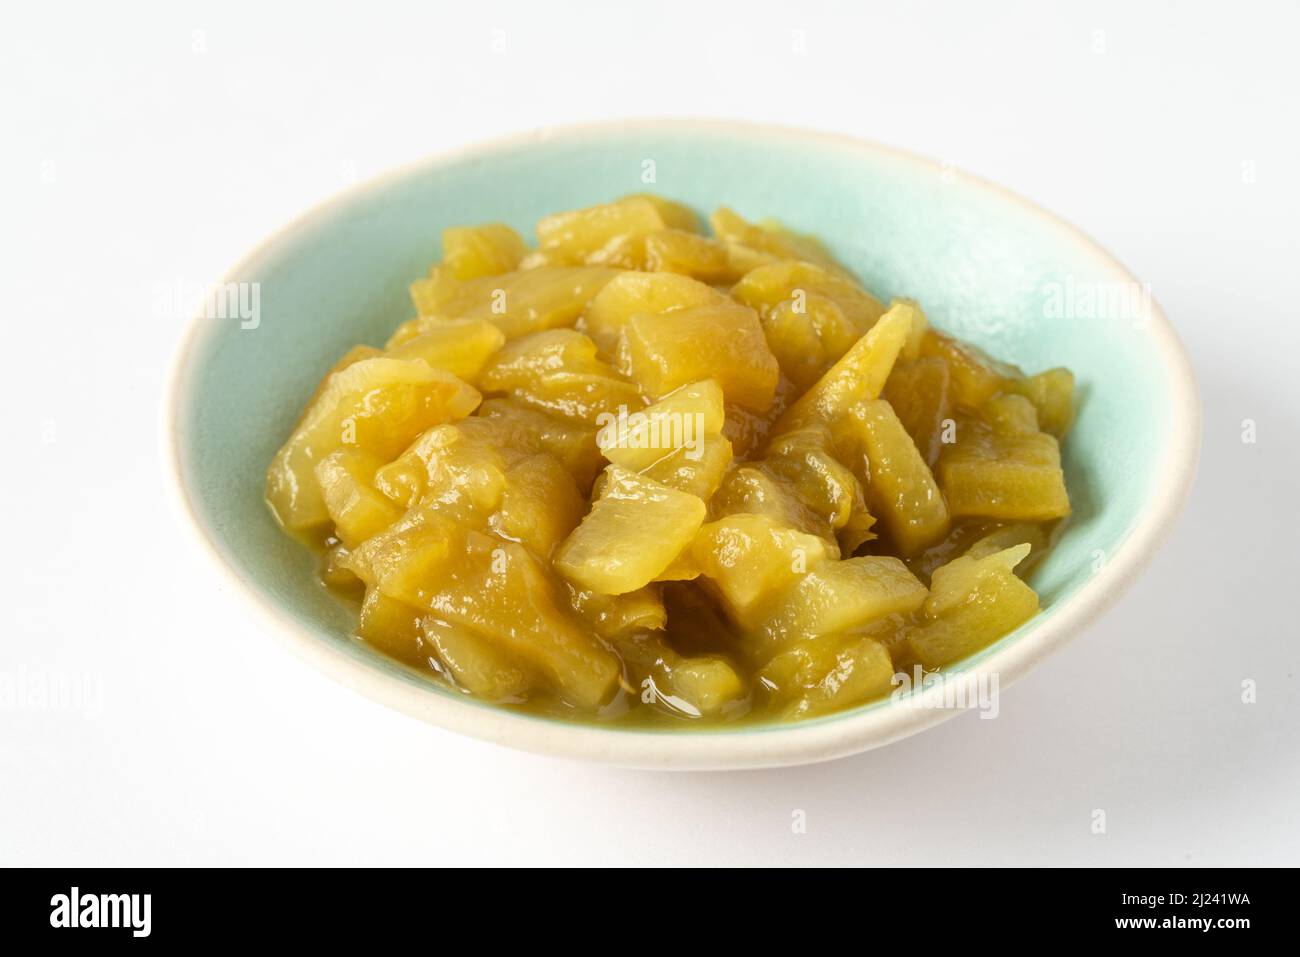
[{"x": 985, "y": 265}]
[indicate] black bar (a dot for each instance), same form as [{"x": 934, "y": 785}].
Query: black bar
[{"x": 330, "y": 906}]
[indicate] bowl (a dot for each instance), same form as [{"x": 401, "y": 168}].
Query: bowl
[{"x": 985, "y": 265}]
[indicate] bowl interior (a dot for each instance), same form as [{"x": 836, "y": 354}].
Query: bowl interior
[{"x": 983, "y": 265}]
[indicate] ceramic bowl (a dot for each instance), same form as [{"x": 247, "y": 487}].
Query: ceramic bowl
[{"x": 985, "y": 264}]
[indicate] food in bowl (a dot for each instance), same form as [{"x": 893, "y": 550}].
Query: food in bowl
[{"x": 646, "y": 473}]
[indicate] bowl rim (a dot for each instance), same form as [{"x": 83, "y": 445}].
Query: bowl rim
[{"x": 750, "y": 746}]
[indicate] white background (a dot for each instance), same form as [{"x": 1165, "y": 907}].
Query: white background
[{"x": 152, "y": 147}]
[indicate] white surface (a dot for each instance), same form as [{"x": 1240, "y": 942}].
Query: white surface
[{"x": 135, "y": 163}]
